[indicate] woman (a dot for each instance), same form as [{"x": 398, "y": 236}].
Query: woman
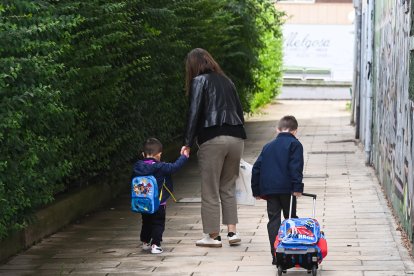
[{"x": 215, "y": 119}]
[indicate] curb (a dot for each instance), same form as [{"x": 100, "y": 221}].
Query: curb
[{"x": 61, "y": 212}]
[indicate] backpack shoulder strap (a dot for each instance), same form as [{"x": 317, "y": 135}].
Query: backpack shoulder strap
[{"x": 168, "y": 190}]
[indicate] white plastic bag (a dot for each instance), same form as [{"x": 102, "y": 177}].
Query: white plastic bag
[{"x": 244, "y": 195}]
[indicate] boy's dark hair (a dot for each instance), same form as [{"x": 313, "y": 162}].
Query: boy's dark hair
[
  {"x": 151, "y": 146},
  {"x": 288, "y": 122}
]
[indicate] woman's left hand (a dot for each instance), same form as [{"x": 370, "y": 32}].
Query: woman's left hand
[{"x": 185, "y": 151}]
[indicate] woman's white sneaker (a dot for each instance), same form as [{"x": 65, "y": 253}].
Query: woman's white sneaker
[
  {"x": 156, "y": 249},
  {"x": 207, "y": 241},
  {"x": 234, "y": 238}
]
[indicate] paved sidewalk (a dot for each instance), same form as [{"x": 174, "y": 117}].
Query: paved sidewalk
[{"x": 360, "y": 230}]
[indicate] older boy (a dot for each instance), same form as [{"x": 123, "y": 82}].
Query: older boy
[{"x": 277, "y": 174}]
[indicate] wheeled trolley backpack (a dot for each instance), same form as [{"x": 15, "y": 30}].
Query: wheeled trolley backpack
[{"x": 300, "y": 243}]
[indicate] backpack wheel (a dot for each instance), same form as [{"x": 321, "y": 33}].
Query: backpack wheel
[
  {"x": 279, "y": 271},
  {"x": 314, "y": 270}
]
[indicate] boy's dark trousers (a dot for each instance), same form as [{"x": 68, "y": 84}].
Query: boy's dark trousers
[
  {"x": 153, "y": 226},
  {"x": 275, "y": 204}
]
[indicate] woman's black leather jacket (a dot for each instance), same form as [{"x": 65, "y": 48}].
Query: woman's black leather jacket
[{"x": 213, "y": 102}]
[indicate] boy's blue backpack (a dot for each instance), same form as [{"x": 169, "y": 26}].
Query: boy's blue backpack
[{"x": 144, "y": 195}]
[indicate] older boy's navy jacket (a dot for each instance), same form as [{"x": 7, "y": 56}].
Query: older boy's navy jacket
[
  {"x": 161, "y": 171},
  {"x": 279, "y": 167}
]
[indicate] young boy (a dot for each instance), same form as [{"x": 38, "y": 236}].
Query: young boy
[
  {"x": 277, "y": 173},
  {"x": 153, "y": 224}
]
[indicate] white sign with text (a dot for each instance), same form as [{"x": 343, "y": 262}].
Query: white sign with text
[{"x": 320, "y": 46}]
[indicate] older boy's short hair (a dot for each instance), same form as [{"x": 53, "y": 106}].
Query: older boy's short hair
[
  {"x": 152, "y": 146},
  {"x": 288, "y": 122}
]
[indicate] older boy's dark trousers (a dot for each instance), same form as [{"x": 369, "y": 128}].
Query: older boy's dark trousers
[
  {"x": 275, "y": 204},
  {"x": 153, "y": 226}
]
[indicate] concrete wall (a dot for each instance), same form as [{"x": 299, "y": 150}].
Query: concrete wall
[
  {"x": 393, "y": 120},
  {"x": 386, "y": 122}
]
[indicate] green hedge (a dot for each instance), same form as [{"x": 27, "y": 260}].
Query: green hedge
[{"x": 83, "y": 83}]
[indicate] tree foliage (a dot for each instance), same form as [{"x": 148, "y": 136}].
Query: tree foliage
[{"x": 83, "y": 83}]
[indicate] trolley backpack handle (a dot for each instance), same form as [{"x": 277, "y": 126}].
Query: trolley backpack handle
[
  {"x": 304, "y": 194},
  {"x": 310, "y": 195}
]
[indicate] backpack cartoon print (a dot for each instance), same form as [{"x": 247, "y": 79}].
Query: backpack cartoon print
[{"x": 144, "y": 194}]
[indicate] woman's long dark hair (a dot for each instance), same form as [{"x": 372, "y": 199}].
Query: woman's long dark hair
[{"x": 198, "y": 62}]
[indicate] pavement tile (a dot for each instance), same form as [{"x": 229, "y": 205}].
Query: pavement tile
[
  {"x": 239, "y": 273},
  {"x": 151, "y": 274},
  {"x": 340, "y": 273},
  {"x": 20, "y": 266},
  {"x": 80, "y": 272},
  {"x": 35, "y": 272},
  {"x": 257, "y": 268},
  {"x": 387, "y": 273}
]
